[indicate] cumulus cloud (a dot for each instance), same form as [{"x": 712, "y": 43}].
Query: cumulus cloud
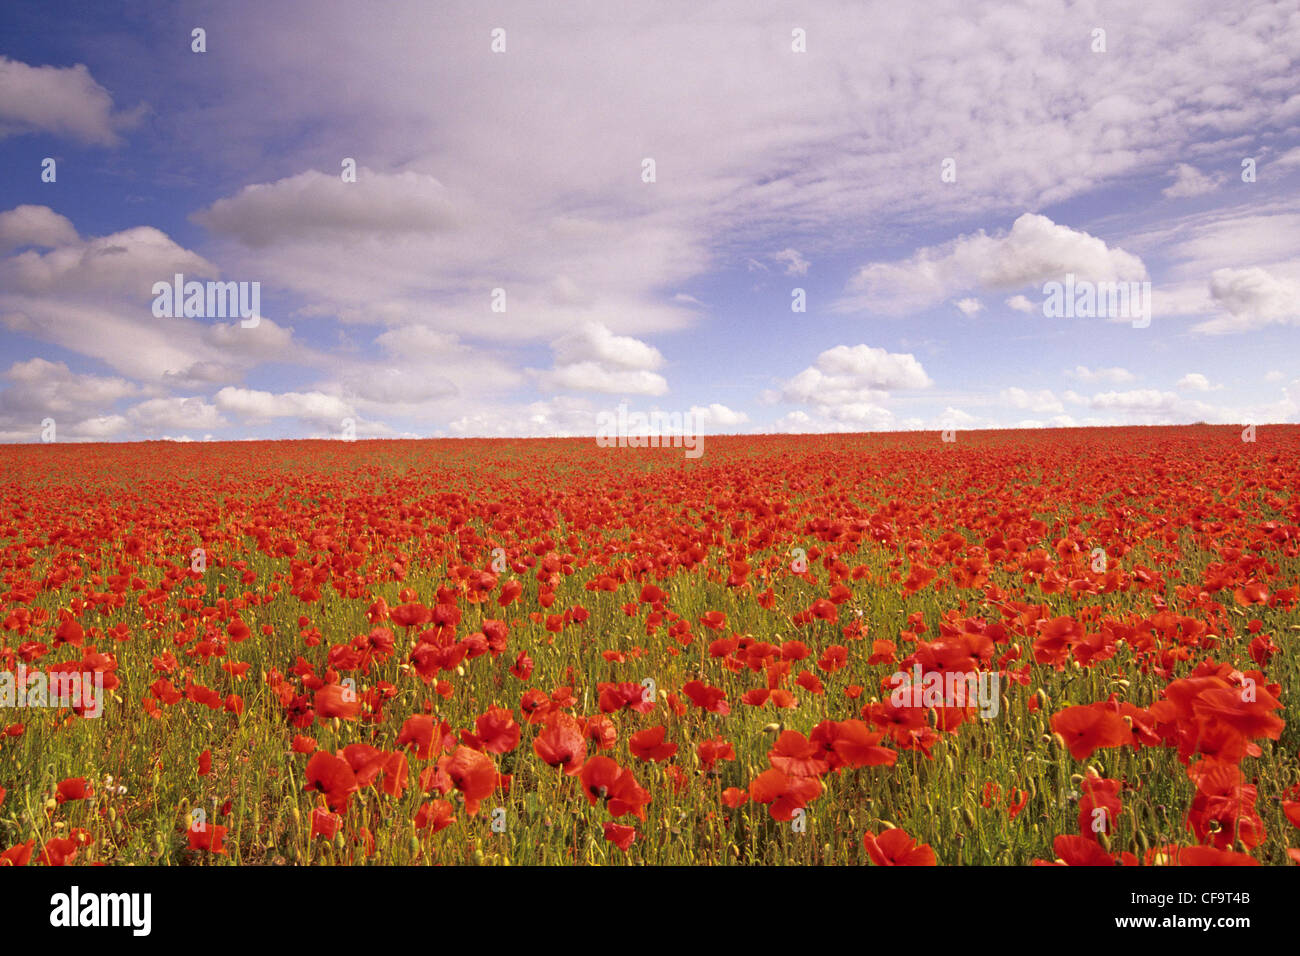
[
  {"x": 848, "y": 389},
  {"x": 1040, "y": 401},
  {"x": 63, "y": 101},
  {"x": 123, "y": 263},
  {"x": 159, "y": 414},
  {"x": 37, "y": 226},
  {"x": 93, "y": 296},
  {"x": 1114, "y": 375},
  {"x": 594, "y": 359},
  {"x": 563, "y": 416},
  {"x": 1034, "y": 251},
  {"x": 716, "y": 417},
  {"x": 1252, "y": 299},
  {"x": 81, "y": 405},
  {"x": 258, "y": 407},
  {"x": 1149, "y": 406},
  {"x": 1193, "y": 382},
  {"x": 969, "y": 306},
  {"x": 848, "y": 375}
]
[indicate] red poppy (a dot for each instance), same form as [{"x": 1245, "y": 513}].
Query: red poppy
[
  {"x": 325, "y": 824},
  {"x": 73, "y": 788},
  {"x": 333, "y": 777},
  {"x": 784, "y": 793},
  {"x": 603, "y": 779},
  {"x": 895, "y": 848},
  {"x": 60, "y": 851},
  {"x": 1086, "y": 728},
  {"x": 649, "y": 745},
  {"x": 562, "y": 744},
  {"x": 619, "y": 835},
  {"x": 472, "y": 773},
  {"x": 207, "y": 837}
]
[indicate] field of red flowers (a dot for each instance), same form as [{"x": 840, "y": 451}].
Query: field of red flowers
[{"x": 545, "y": 652}]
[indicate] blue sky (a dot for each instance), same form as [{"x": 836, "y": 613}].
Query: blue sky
[{"x": 522, "y": 170}]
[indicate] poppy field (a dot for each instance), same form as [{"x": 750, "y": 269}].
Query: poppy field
[{"x": 546, "y": 652}]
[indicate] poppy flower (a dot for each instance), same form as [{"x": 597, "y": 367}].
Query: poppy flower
[
  {"x": 1074, "y": 850},
  {"x": 712, "y": 750},
  {"x": 333, "y": 777},
  {"x": 793, "y": 754},
  {"x": 73, "y": 788},
  {"x": 60, "y": 851},
  {"x": 562, "y": 744},
  {"x": 434, "y": 816},
  {"x": 735, "y": 797},
  {"x": 1099, "y": 807},
  {"x": 856, "y": 745},
  {"x": 649, "y": 745},
  {"x": 472, "y": 773},
  {"x": 417, "y": 733},
  {"x": 712, "y": 699},
  {"x": 619, "y": 835},
  {"x": 497, "y": 731},
  {"x": 207, "y": 837},
  {"x": 895, "y": 848},
  {"x": 325, "y": 824},
  {"x": 603, "y": 779},
  {"x": 784, "y": 794},
  {"x": 1086, "y": 728},
  {"x": 714, "y": 620},
  {"x": 336, "y": 700},
  {"x": 18, "y": 855},
  {"x": 600, "y": 730},
  {"x": 1207, "y": 856}
]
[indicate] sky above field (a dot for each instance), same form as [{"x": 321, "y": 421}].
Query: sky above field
[{"x": 508, "y": 263}]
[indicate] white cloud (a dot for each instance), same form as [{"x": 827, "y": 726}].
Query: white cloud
[
  {"x": 594, "y": 377},
  {"x": 158, "y": 414},
  {"x": 1287, "y": 160},
  {"x": 593, "y": 359},
  {"x": 94, "y": 296},
  {"x": 1149, "y": 406},
  {"x": 846, "y": 375},
  {"x": 254, "y": 407},
  {"x": 1193, "y": 382},
  {"x": 847, "y": 389},
  {"x": 34, "y": 226},
  {"x": 1040, "y": 401},
  {"x": 313, "y": 205},
  {"x": 795, "y": 264},
  {"x": 63, "y": 101},
  {"x": 969, "y": 306},
  {"x": 564, "y": 416},
  {"x": 1022, "y": 304},
  {"x": 1189, "y": 181},
  {"x": 716, "y": 417},
  {"x": 1034, "y": 251},
  {"x": 1113, "y": 375},
  {"x": 1253, "y": 298},
  {"x": 81, "y": 405},
  {"x": 959, "y": 418}
]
